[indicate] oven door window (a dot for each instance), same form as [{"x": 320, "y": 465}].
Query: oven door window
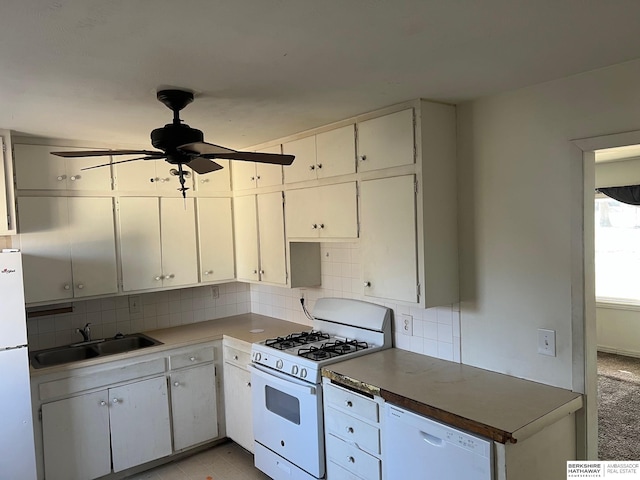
[{"x": 282, "y": 404}]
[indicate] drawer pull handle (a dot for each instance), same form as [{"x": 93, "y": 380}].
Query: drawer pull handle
[
  {"x": 235, "y": 357},
  {"x": 349, "y": 429},
  {"x": 102, "y": 403},
  {"x": 176, "y": 384},
  {"x": 249, "y": 384},
  {"x": 349, "y": 403},
  {"x": 115, "y": 400},
  {"x": 193, "y": 359},
  {"x": 351, "y": 460}
]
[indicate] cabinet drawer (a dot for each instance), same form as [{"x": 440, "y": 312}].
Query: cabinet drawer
[
  {"x": 352, "y": 430},
  {"x": 236, "y": 357},
  {"x": 352, "y": 459},
  {"x": 336, "y": 472},
  {"x": 192, "y": 357},
  {"x": 351, "y": 402}
]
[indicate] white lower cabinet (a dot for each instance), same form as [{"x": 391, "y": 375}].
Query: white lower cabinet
[
  {"x": 237, "y": 394},
  {"x": 126, "y": 425},
  {"x": 352, "y": 424},
  {"x": 193, "y": 405}
]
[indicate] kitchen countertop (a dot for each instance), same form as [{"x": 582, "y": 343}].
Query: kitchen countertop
[
  {"x": 248, "y": 327},
  {"x": 494, "y": 405}
]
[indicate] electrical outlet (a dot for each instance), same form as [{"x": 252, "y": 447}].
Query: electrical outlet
[
  {"x": 547, "y": 342},
  {"x": 406, "y": 324},
  {"x": 215, "y": 291},
  {"x": 134, "y": 304}
]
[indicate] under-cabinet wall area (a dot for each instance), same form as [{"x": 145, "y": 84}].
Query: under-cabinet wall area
[{"x": 164, "y": 309}]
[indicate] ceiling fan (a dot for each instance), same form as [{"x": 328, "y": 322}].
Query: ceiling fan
[{"x": 182, "y": 145}]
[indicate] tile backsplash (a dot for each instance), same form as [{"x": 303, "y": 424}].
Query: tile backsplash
[
  {"x": 109, "y": 316},
  {"x": 436, "y": 331}
]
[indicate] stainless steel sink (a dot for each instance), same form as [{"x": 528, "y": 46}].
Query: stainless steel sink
[{"x": 86, "y": 350}]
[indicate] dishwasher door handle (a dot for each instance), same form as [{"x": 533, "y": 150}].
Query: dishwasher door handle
[{"x": 431, "y": 439}]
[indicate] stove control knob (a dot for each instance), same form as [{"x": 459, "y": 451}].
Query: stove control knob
[
  {"x": 303, "y": 373},
  {"x": 279, "y": 364},
  {"x": 294, "y": 370},
  {"x": 257, "y": 357}
]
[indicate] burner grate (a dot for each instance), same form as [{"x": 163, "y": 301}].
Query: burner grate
[{"x": 296, "y": 339}]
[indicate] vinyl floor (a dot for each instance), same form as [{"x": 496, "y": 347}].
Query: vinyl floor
[{"x": 228, "y": 461}]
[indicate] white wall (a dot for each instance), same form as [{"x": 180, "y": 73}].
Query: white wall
[{"x": 516, "y": 183}]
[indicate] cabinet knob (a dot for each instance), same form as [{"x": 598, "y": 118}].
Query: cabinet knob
[
  {"x": 367, "y": 284},
  {"x": 61, "y": 177},
  {"x": 193, "y": 359},
  {"x": 102, "y": 403},
  {"x": 204, "y": 180},
  {"x": 253, "y": 178},
  {"x": 319, "y": 165},
  {"x": 248, "y": 384},
  {"x": 363, "y": 158},
  {"x": 158, "y": 278},
  {"x": 351, "y": 459},
  {"x": 321, "y": 225},
  {"x": 235, "y": 357},
  {"x": 349, "y": 403},
  {"x": 80, "y": 286},
  {"x": 255, "y": 271},
  {"x": 170, "y": 276},
  {"x": 67, "y": 286},
  {"x": 208, "y": 272},
  {"x": 74, "y": 178},
  {"x": 314, "y": 226},
  {"x": 261, "y": 272},
  {"x": 176, "y": 384},
  {"x": 115, "y": 400},
  {"x": 312, "y": 167},
  {"x": 258, "y": 177},
  {"x": 154, "y": 179},
  {"x": 349, "y": 429}
]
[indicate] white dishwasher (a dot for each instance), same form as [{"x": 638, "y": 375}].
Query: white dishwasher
[{"x": 417, "y": 447}]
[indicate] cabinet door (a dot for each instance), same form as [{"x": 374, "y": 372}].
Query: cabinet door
[
  {"x": 271, "y": 236},
  {"x": 304, "y": 165},
  {"x": 6, "y": 192},
  {"x": 267, "y": 174},
  {"x": 237, "y": 401},
  {"x": 338, "y": 211},
  {"x": 93, "y": 246},
  {"x": 193, "y": 406},
  {"x": 140, "y": 250},
  {"x": 136, "y": 176},
  {"x": 218, "y": 181},
  {"x": 215, "y": 230},
  {"x": 45, "y": 242},
  {"x": 336, "y": 152},
  {"x": 37, "y": 169},
  {"x": 246, "y": 237},
  {"x": 302, "y": 208},
  {"x": 178, "y": 238},
  {"x": 139, "y": 417},
  {"x": 386, "y": 141},
  {"x": 388, "y": 238},
  {"x": 75, "y": 434},
  {"x": 243, "y": 175}
]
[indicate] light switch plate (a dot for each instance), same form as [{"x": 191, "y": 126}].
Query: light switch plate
[
  {"x": 406, "y": 324},
  {"x": 547, "y": 342},
  {"x": 134, "y": 304}
]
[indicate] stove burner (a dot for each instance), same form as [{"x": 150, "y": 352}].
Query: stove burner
[
  {"x": 317, "y": 353},
  {"x": 332, "y": 349},
  {"x": 296, "y": 339}
]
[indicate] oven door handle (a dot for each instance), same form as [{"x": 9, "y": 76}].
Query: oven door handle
[{"x": 277, "y": 378}]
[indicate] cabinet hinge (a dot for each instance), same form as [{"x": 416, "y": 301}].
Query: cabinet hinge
[
  {"x": 418, "y": 290},
  {"x": 415, "y": 185},
  {"x": 40, "y": 414},
  {"x": 4, "y": 147}
]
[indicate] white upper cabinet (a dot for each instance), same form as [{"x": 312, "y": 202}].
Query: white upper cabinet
[
  {"x": 214, "y": 182},
  {"x": 386, "y": 141},
  {"x": 7, "y": 194},
  {"x": 324, "y": 155},
  {"x": 245, "y": 213},
  {"x": 248, "y": 175},
  {"x": 68, "y": 247},
  {"x": 328, "y": 212},
  {"x": 388, "y": 238},
  {"x": 37, "y": 169},
  {"x": 148, "y": 176},
  {"x": 157, "y": 242},
  {"x": 215, "y": 239}
]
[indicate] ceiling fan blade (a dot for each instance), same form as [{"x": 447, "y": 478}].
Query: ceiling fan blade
[
  {"x": 260, "y": 157},
  {"x": 122, "y": 161},
  {"x": 203, "y": 165},
  {"x": 204, "y": 147},
  {"x": 105, "y": 153}
]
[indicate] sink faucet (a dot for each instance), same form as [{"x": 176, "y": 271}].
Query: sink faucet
[{"x": 85, "y": 332}]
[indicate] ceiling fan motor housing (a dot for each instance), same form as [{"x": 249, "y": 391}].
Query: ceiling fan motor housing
[{"x": 171, "y": 136}]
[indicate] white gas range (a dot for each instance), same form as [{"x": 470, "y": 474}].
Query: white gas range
[{"x": 287, "y": 389}]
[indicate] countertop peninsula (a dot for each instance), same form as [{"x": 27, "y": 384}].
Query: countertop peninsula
[{"x": 494, "y": 405}]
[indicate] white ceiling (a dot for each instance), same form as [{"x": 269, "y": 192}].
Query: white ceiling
[{"x": 262, "y": 69}]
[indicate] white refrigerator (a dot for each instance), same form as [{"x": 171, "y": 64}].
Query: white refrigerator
[{"x": 17, "y": 451}]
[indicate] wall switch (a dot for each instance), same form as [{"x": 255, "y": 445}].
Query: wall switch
[
  {"x": 547, "y": 342},
  {"x": 215, "y": 291},
  {"x": 406, "y": 324},
  {"x": 134, "y": 304}
]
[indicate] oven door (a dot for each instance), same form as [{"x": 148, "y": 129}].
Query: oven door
[{"x": 287, "y": 418}]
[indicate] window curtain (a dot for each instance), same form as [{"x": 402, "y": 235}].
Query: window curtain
[{"x": 629, "y": 194}]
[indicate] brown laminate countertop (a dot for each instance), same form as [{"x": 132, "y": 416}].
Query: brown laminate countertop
[
  {"x": 248, "y": 327},
  {"x": 494, "y": 405}
]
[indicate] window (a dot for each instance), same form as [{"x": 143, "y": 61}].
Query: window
[{"x": 617, "y": 245}]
